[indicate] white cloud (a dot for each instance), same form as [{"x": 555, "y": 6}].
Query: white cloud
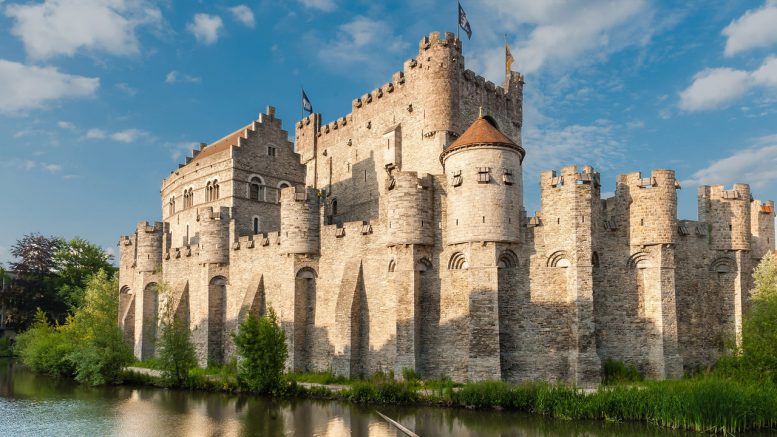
[
  {"x": 177, "y": 150},
  {"x": 755, "y": 164},
  {"x": 126, "y": 89},
  {"x": 206, "y": 28},
  {"x": 25, "y": 87},
  {"x": 756, "y": 28},
  {"x": 123, "y": 136},
  {"x": 321, "y": 5},
  {"x": 363, "y": 41},
  {"x": 557, "y": 146},
  {"x": 29, "y": 165},
  {"x": 563, "y": 31},
  {"x": 244, "y": 15},
  {"x": 176, "y": 77},
  {"x": 129, "y": 135},
  {"x": 62, "y": 27},
  {"x": 717, "y": 87},
  {"x": 767, "y": 73},
  {"x": 95, "y": 134},
  {"x": 714, "y": 88},
  {"x": 66, "y": 125},
  {"x": 51, "y": 168}
]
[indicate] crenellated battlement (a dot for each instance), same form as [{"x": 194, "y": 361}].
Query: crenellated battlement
[
  {"x": 728, "y": 213},
  {"x": 569, "y": 177}
]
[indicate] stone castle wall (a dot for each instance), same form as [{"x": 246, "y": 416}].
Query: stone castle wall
[{"x": 380, "y": 255}]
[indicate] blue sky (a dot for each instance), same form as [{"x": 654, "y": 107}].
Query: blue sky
[{"x": 100, "y": 99}]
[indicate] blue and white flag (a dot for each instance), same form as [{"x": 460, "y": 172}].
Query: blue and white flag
[
  {"x": 306, "y": 105},
  {"x": 464, "y": 23}
]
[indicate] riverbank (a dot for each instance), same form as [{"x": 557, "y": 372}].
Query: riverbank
[{"x": 704, "y": 404}]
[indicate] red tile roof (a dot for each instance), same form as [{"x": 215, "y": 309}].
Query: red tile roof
[
  {"x": 221, "y": 145},
  {"x": 483, "y": 131}
]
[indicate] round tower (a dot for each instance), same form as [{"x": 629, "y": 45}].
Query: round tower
[
  {"x": 214, "y": 235},
  {"x": 653, "y": 207},
  {"x": 434, "y": 79},
  {"x": 149, "y": 246},
  {"x": 409, "y": 206},
  {"x": 300, "y": 226},
  {"x": 485, "y": 185}
]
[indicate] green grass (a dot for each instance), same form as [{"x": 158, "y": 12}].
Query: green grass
[
  {"x": 320, "y": 378},
  {"x": 708, "y": 404}
]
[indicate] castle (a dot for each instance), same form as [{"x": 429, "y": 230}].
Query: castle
[{"x": 395, "y": 238}]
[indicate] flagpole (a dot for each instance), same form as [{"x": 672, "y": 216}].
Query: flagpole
[
  {"x": 458, "y": 5},
  {"x": 302, "y": 104}
]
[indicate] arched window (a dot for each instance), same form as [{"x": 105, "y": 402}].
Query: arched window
[
  {"x": 457, "y": 262},
  {"x": 208, "y": 192},
  {"x": 334, "y": 207},
  {"x": 215, "y": 190},
  {"x": 256, "y": 189},
  {"x": 392, "y": 266},
  {"x": 282, "y": 185},
  {"x": 255, "y": 225},
  {"x": 507, "y": 260},
  {"x": 171, "y": 206},
  {"x": 188, "y": 198}
]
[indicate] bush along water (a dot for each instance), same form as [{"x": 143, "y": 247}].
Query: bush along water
[
  {"x": 262, "y": 353},
  {"x": 88, "y": 346}
]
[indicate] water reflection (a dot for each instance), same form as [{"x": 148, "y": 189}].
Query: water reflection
[{"x": 38, "y": 405}]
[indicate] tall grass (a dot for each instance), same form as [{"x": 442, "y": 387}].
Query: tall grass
[{"x": 706, "y": 404}]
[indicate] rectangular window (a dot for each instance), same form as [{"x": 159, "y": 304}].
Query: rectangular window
[
  {"x": 507, "y": 178},
  {"x": 484, "y": 175},
  {"x": 457, "y": 179},
  {"x": 271, "y": 151}
]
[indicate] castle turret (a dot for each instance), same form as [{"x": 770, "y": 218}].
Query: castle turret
[
  {"x": 485, "y": 185},
  {"x": 409, "y": 206},
  {"x": 214, "y": 235},
  {"x": 149, "y": 246},
  {"x": 762, "y": 227},
  {"x": 441, "y": 65},
  {"x": 306, "y": 142},
  {"x": 652, "y": 206},
  {"x": 728, "y": 214},
  {"x": 300, "y": 225}
]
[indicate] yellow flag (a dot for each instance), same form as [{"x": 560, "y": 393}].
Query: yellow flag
[{"x": 508, "y": 59}]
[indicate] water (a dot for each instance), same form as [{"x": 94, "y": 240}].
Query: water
[{"x": 32, "y": 405}]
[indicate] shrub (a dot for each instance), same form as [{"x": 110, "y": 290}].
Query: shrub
[
  {"x": 89, "y": 345},
  {"x": 45, "y": 348},
  {"x": 100, "y": 352},
  {"x": 382, "y": 392},
  {"x": 616, "y": 372},
  {"x": 261, "y": 348},
  {"x": 176, "y": 351}
]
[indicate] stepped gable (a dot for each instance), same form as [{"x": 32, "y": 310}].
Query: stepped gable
[
  {"x": 221, "y": 145},
  {"x": 483, "y": 131}
]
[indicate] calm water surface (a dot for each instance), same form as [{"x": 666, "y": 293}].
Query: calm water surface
[{"x": 32, "y": 405}]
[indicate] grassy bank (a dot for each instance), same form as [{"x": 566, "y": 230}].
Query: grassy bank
[{"x": 709, "y": 404}]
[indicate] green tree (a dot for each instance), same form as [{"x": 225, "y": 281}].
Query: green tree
[
  {"x": 89, "y": 345},
  {"x": 35, "y": 283},
  {"x": 75, "y": 261},
  {"x": 101, "y": 351},
  {"x": 176, "y": 351},
  {"x": 759, "y": 330},
  {"x": 262, "y": 353}
]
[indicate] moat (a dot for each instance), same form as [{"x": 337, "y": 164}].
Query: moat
[{"x": 32, "y": 405}]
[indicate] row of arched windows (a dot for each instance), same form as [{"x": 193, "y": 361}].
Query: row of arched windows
[
  {"x": 257, "y": 190},
  {"x": 507, "y": 260}
]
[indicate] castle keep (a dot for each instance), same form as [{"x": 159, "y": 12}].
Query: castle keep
[{"x": 395, "y": 237}]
